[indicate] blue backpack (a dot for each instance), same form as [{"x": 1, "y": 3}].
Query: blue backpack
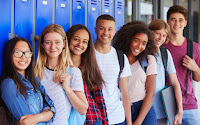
[{"x": 74, "y": 118}]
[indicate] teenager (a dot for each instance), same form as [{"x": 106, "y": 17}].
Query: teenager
[
  {"x": 177, "y": 17},
  {"x": 161, "y": 34},
  {"x": 83, "y": 56},
  {"x": 52, "y": 64},
  {"x": 135, "y": 40},
  {"x": 21, "y": 91},
  {"x": 116, "y": 98}
]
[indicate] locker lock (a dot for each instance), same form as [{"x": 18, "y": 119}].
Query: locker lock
[{"x": 36, "y": 37}]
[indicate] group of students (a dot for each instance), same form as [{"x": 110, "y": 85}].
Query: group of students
[{"x": 107, "y": 87}]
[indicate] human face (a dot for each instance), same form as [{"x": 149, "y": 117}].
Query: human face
[
  {"x": 21, "y": 63},
  {"x": 105, "y": 30},
  {"x": 79, "y": 42},
  {"x": 159, "y": 37},
  {"x": 53, "y": 44},
  {"x": 177, "y": 23},
  {"x": 138, "y": 44}
]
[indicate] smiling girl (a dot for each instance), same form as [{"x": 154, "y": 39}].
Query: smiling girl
[
  {"x": 134, "y": 40},
  {"x": 21, "y": 91},
  {"x": 83, "y": 56},
  {"x": 52, "y": 64}
]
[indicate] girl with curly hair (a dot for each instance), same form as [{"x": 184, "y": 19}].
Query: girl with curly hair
[{"x": 134, "y": 40}]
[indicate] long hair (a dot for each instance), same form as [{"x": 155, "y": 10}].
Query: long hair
[
  {"x": 64, "y": 58},
  {"x": 89, "y": 67},
  {"x": 159, "y": 24},
  {"x": 123, "y": 37},
  {"x": 10, "y": 71}
]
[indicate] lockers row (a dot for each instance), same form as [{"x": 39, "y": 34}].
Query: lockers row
[{"x": 27, "y": 18}]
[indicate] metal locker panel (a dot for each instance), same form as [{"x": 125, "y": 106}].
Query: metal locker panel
[
  {"x": 93, "y": 13},
  {"x": 119, "y": 13},
  {"x": 23, "y": 18},
  {"x": 78, "y": 12},
  {"x": 5, "y": 27},
  {"x": 62, "y": 13},
  {"x": 44, "y": 12},
  {"x": 106, "y": 7}
]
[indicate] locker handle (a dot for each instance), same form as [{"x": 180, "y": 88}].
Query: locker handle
[
  {"x": 36, "y": 37},
  {"x": 15, "y": 35}
]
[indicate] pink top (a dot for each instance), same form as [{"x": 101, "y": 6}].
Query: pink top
[{"x": 136, "y": 82}]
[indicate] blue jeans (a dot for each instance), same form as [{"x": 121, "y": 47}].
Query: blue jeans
[
  {"x": 191, "y": 117},
  {"x": 98, "y": 123},
  {"x": 150, "y": 118},
  {"x": 123, "y": 123}
]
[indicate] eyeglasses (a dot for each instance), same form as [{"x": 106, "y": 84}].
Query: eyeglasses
[{"x": 19, "y": 54}]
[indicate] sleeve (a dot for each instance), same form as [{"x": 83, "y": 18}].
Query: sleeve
[
  {"x": 151, "y": 68},
  {"x": 76, "y": 81},
  {"x": 47, "y": 98},
  {"x": 170, "y": 63},
  {"x": 196, "y": 51},
  {"x": 127, "y": 70},
  {"x": 98, "y": 98},
  {"x": 13, "y": 99}
]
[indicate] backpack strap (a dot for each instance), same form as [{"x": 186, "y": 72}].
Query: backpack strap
[
  {"x": 69, "y": 70},
  {"x": 143, "y": 63},
  {"x": 120, "y": 55},
  {"x": 164, "y": 56},
  {"x": 190, "y": 54}
]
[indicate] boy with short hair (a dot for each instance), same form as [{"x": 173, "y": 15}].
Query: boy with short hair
[
  {"x": 117, "y": 110},
  {"x": 177, "y": 19}
]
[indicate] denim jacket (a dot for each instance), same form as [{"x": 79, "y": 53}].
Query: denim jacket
[{"x": 18, "y": 105}]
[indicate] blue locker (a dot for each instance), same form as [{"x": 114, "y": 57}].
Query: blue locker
[
  {"x": 78, "y": 12},
  {"x": 23, "y": 18},
  {"x": 93, "y": 13},
  {"x": 44, "y": 12},
  {"x": 5, "y": 27},
  {"x": 106, "y": 7},
  {"x": 119, "y": 13},
  {"x": 62, "y": 14}
]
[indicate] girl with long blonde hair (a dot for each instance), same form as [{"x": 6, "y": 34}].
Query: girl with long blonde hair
[{"x": 53, "y": 61}]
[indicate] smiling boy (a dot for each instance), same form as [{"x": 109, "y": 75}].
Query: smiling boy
[
  {"x": 116, "y": 98},
  {"x": 177, "y": 19}
]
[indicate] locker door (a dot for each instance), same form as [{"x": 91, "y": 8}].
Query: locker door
[
  {"x": 78, "y": 12},
  {"x": 5, "y": 27},
  {"x": 119, "y": 13},
  {"x": 23, "y": 18},
  {"x": 62, "y": 14},
  {"x": 44, "y": 12},
  {"x": 106, "y": 7},
  {"x": 93, "y": 13}
]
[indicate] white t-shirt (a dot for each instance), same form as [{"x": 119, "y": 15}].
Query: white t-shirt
[
  {"x": 136, "y": 82},
  {"x": 109, "y": 66},
  {"x": 160, "y": 82},
  {"x": 56, "y": 93}
]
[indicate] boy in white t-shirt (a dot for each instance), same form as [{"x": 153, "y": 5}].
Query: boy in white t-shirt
[{"x": 116, "y": 98}]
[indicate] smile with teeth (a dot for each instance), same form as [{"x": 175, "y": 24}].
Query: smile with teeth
[
  {"x": 22, "y": 63},
  {"x": 105, "y": 37},
  {"x": 78, "y": 48}
]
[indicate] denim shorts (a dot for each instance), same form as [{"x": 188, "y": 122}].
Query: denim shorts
[{"x": 150, "y": 118}]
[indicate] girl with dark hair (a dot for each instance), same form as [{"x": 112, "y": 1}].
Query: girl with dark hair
[
  {"x": 83, "y": 56},
  {"x": 21, "y": 91},
  {"x": 134, "y": 40}
]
